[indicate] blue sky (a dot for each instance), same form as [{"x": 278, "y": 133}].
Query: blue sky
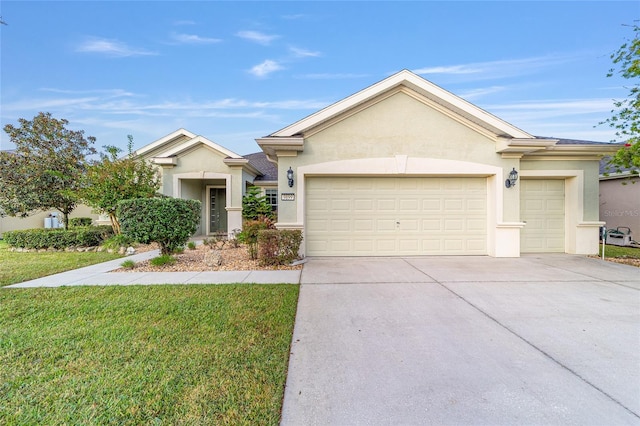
[{"x": 235, "y": 71}]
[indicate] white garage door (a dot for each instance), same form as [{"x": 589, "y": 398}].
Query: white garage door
[
  {"x": 376, "y": 216},
  {"x": 542, "y": 208}
]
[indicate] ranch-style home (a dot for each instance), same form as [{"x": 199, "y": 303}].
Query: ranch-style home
[{"x": 400, "y": 168}]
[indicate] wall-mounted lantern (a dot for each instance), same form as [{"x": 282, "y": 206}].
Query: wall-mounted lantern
[
  {"x": 290, "y": 177},
  {"x": 513, "y": 177}
]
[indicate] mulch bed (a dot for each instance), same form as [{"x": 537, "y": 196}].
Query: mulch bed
[{"x": 233, "y": 259}]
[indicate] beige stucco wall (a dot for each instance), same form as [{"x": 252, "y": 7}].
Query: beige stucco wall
[
  {"x": 199, "y": 167},
  {"x": 37, "y": 220},
  {"x": 406, "y": 135},
  {"x": 396, "y": 125},
  {"x": 620, "y": 204}
]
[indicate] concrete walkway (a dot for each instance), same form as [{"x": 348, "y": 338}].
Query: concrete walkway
[
  {"x": 549, "y": 339},
  {"x": 100, "y": 274}
]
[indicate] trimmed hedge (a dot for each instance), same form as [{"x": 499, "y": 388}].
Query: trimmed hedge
[
  {"x": 168, "y": 221},
  {"x": 278, "y": 246},
  {"x": 88, "y": 236},
  {"x": 80, "y": 221}
]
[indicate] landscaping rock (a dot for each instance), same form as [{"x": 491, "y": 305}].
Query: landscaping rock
[
  {"x": 130, "y": 251},
  {"x": 213, "y": 258}
]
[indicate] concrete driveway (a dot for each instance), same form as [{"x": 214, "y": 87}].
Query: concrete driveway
[{"x": 545, "y": 339}]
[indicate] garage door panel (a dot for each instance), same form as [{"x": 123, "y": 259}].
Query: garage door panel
[
  {"x": 542, "y": 209},
  {"x": 396, "y": 216}
]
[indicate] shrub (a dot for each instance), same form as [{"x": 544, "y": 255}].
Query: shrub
[
  {"x": 80, "y": 221},
  {"x": 191, "y": 245},
  {"x": 128, "y": 264},
  {"x": 168, "y": 221},
  {"x": 249, "y": 234},
  {"x": 278, "y": 246},
  {"x": 162, "y": 260},
  {"x": 88, "y": 236},
  {"x": 254, "y": 205},
  {"x": 117, "y": 241}
]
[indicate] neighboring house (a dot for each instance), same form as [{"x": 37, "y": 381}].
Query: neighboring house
[
  {"x": 404, "y": 167},
  {"x": 194, "y": 167},
  {"x": 619, "y": 199},
  {"x": 37, "y": 220}
]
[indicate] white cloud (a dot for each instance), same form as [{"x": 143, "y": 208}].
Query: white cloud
[
  {"x": 265, "y": 68},
  {"x": 113, "y": 48},
  {"x": 194, "y": 39},
  {"x": 498, "y": 69},
  {"x": 303, "y": 53},
  {"x": 258, "y": 37},
  {"x": 480, "y": 92}
]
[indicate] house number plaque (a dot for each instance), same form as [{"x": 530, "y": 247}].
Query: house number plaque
[{"x": 288, "y": 196}]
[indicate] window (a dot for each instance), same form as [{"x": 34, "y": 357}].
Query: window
[{"x": 272, "y": 198}]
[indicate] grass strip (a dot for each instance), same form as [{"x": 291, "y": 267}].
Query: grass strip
[
  {"x": 18, "y": 267},
  {"x": 178, "y": 355}
]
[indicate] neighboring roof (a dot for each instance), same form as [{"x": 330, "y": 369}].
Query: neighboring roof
[
  {"x": 613, "y": 172},
  {"x": 263, "y": 165},
  {"x": 418, "y": 84},
  {"x": 186, "y": 141}
]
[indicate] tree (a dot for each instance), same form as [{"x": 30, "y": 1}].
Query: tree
[
  {"x": 254, "y": 205},
  {"x": 45, "y": 168},
  {"x": 113, "y": 179},
  {"x": 626, "y": 117}
]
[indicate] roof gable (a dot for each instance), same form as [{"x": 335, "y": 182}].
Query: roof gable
[
  {"x": 428, "y": 90},
  {"x": 178, "y": 142}
]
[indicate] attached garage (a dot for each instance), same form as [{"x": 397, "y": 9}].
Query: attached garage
[
  {"x": 386, "y": 216},
  {"x": 542, "y": 209}
]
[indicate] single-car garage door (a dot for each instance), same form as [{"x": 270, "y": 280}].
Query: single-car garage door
[
  {"x": 542, "y": 208},
  {"x": 386, "y": 216}
]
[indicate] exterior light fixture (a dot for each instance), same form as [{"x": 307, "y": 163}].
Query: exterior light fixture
[
  {"x": 513, "y": 177},
  {"x": 290, "y": 177}
]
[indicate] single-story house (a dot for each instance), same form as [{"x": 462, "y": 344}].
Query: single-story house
[
  {"x": 400, "y": 168},
  {"x": 619, "y": 199},
  {"x": 405, "y": 167}
]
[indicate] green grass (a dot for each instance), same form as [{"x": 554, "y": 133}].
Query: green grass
[
  {"x": 18, "y": 267},
  {"x": 142, "y": 355},
  {"x": 620, "y": 252}
]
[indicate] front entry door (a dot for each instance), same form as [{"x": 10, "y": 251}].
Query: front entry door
[{"x": 217, "y": 210}]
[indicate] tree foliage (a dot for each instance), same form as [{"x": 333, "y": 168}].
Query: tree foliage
[
  {"x": 114, "y": 179},
  {"x": 254, "y": 205},
  {"x": 45, "y": 168},
  {"x": 625, "y": 118},
  {"x": 168, "y": 221}
]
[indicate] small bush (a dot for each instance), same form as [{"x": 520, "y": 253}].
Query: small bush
[
  {"x": 80, "y": 221},
  {"x": 162, "y": 260},
  {"x": 117, "y": 241},
  {"x": 249, "y": 234},
  {"x": 191, "y": 245},
  {"x": 87, "y": 236},
  {"x": 128, "y": 264},
  {"x": 278, "y": 246}
]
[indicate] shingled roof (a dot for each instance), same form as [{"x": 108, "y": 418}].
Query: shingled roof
[{"x": 267, "y": 168}]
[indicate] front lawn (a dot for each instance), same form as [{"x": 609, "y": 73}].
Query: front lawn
[
  {"x": 171, "y": 355},
  {"x": 17, "y": 267}
]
